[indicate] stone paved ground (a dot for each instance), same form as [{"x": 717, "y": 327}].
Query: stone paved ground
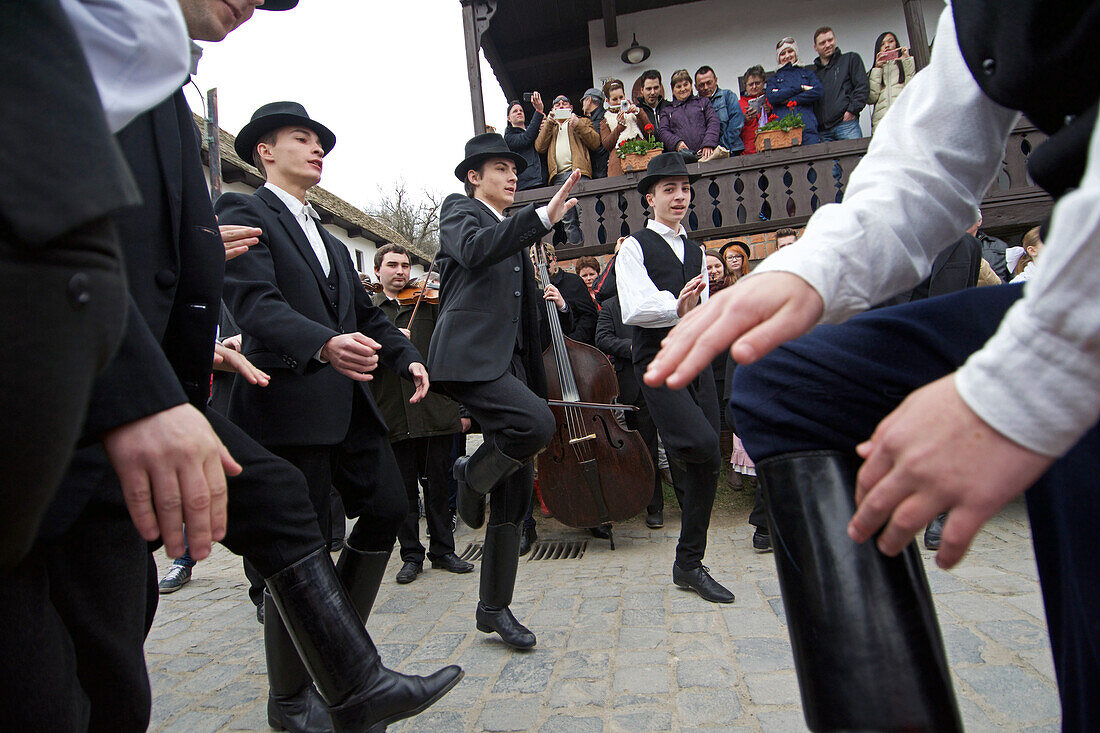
[{"x": 620, "y": 648}]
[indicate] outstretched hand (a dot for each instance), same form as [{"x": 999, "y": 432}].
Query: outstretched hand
[
  {"x": 920, "y": 462},
  {"x": 420, "y": 378},
  {"x": 353, "y": 355},
  {"x": 755, "y": 315},
  {"x": 561, "y": 202},
  {"x": 689, "y": 296}
]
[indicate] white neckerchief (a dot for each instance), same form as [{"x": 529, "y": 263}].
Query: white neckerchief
[{"x": 307, "y": 219}]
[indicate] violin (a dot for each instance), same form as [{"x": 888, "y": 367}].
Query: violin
[
  {"x": 423, "y": 288},
  {"x": 594, "y": 471}
]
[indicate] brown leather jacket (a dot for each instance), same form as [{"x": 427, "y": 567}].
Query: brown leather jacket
[{"x": 582, "y": 139}]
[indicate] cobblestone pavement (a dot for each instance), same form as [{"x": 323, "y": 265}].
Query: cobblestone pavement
[{"x": 619, "y": 647}]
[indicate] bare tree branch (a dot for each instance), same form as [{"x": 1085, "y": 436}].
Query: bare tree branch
[{"x": 413, "y": 215}]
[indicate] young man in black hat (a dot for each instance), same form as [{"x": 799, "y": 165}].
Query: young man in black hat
[
  {"x": 305, "y": 318},
  {"x": 660, "y": 276},
  {"x": 486, "y": 351}
]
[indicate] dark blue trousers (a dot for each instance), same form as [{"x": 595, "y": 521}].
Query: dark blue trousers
[{"x": 830, "y": 389}]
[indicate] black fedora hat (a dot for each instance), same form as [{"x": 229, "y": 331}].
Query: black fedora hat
[
  {"x": 272, "y": 117},
  {"x": 483, "y": 147},
  {"x": 278, "y": 4},
  {"x": 666, "y": 165}
]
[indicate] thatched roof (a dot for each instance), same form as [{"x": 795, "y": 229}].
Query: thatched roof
[{"x": 331, "y": 208}]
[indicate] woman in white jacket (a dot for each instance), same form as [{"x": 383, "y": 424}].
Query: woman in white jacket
[{"x": 889, "y": 75}]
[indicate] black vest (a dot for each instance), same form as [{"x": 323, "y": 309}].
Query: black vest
[
  {"x": 1038, "y": 57},
  {"x": 667, "y": 273}
]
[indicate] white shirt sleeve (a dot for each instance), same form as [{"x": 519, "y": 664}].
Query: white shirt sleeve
[
  {"x": 1037, "y": 381},
  {"x": 915, "y": 192},
  {"x": 641, "y": 302},
  {"x": 138, "y": 52}
]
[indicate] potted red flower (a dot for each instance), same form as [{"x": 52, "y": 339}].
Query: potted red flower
[{"x": 637, "y": 153}]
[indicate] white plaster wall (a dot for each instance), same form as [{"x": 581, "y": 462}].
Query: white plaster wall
[{"x": 732, "y": 35}]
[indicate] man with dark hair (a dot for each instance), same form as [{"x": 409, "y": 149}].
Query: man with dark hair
[
  {"x": 845, "y": 89},
  {"x": 726, "y": 106},
  {"x": 652, "y": 99},
  {"x": 486, "y": 352},
  {"x": 422, "y": 433},
  {"x": 592, "y": 107},
  {"x": 866, "y": 427},
  {"x": 661, "y": 276},
  {"x": 785, "y": 237}
]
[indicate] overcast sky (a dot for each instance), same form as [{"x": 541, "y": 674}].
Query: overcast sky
[{"x": 389, "y": 79}]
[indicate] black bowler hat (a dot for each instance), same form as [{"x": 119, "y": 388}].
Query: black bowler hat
[
  {"x": 481, "y": 148},
  {"x": 272, "y": 117},
  {"x": 666, "y": 165},
  {"x": 278, "y": 4}
]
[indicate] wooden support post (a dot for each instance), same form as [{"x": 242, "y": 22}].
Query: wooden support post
[
  {"x": 473, "y": 65},
  {"x": 610, "y": 24},
  {"x": 918, "y": 36},
  {"x": 214, "y": 144}
]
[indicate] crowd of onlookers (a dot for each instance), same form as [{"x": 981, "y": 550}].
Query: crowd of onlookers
[{"x": 702, "y": 117}]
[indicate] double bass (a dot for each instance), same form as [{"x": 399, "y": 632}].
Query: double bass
[{"x": 594, "y": 471}]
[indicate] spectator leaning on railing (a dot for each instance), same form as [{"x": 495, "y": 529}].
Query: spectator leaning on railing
[
  {"x": 593, "y": 109},
  {"x": 653, "y": 99},
  {"x": 521, "y": 139},
  {"x": 893, "y": 68},
  {"x": 726, "y": 106},
  {"x": 844, "y": 89},
  {"x": 688, "y": 123},
  {"x": 566, "y": 140},
  {"x": 627, "y": 122},
  {"x": 793, "y": 90},
  {"x": 754, "y": 107}
]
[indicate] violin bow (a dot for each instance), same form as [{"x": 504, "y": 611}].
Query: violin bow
[{"x": 427, "y": 277}]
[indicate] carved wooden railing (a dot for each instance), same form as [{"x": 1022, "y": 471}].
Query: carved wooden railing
[{"x": 766, "y": 191}]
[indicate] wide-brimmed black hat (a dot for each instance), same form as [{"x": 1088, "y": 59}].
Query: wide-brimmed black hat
[
  {"x": 739, "y": 245},
  {"x": 483, "y": 147},
  {"x": 278, "y": 4},
  {"x": 272, "y": 117},
  {"x": 666, "y": 165}
]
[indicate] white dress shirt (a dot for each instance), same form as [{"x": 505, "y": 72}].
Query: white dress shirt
[
  {"x": 138, "y": 51},
  {"x": 641, "y": 302},
  {"x": 307, "y": 219},
  {"x": 1037, "y": 380}
]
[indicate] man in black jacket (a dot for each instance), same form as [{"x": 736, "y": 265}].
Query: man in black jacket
[
  {"x": 576, "y": 294},
  {"x": 844, "y": 79},
  {"x": 486, "y": 351},
  {"x": 652, "y": 100}
]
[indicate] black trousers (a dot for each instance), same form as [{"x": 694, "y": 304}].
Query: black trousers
[
  {"x": 831, "y": 388},
  {"x": 75, "y": 612},
  {"x": 430, "y": 457},
  {"x": 63, "y": 305},
  {"x": 364, "y": 471},
  {"x": 688, "y": 422},
  {"x": 642, "y": 421}
]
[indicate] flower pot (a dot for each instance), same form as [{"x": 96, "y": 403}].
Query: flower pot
[
  {"x": 634, "y": 162},
  {"x": 776, "y": 139}
]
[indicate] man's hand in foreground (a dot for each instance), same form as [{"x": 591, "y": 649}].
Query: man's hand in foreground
[
  {"x": 352, "y": 354},
  {"x": 420, "y": 379},
  {"x": 172, "y": 467},
  {"x": 755, "y": 315},
  {"x": 933, "y": 454},
  {"x": 227, "y": 359}
]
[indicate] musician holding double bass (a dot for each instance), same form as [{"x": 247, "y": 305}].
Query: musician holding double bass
[
  {"x": 660, "y": 277},
  {"x": 486, "y": 352}
]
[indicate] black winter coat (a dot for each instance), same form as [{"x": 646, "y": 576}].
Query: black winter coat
[
  {"x": 522, "y": 141},
  {"x": 844, "y": 88}
]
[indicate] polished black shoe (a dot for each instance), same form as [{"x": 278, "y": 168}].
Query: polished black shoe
[
  {"x": 452, "y": 563},
  {"x": 699, "y": 580},
  {"x": 761, "y": 540},
  {"x": 293, "y": 703},
  {"x": 603, "y": 532},
  {"x": 655, "y": 520},
  {"x": 501, "y": 620},
  {"x": 527, "y": 539},
  {"x": 933, "y": 533},
  {"x": 470, "y": 504},
  {"x": 409, "y": 571}
]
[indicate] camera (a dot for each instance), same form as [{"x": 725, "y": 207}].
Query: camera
[{"x": 527, "y": 96}]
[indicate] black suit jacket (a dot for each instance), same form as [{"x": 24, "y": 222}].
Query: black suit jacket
[
  {"x": 616, "y": 339},
  {"x": 174, "y": 262},
  {"x": 280, "y": 298},
  {"x": 488, "y": 294},
  {"x": 59, "y": 165},
  {"x": 576, "y": 294}
]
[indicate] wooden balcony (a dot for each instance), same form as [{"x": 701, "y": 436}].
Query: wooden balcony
[{"x": 767, "y": 191}]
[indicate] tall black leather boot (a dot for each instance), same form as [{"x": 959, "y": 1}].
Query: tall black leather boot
[
  {"x": 292, "y": 702},
  {"x": 361, "y": 572},
  {"x": 362, "y": 694},
  {"x": 867, "y": 645},
  {"x": 499, "y": 564},
  {"x": 476, "y": 476}
]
